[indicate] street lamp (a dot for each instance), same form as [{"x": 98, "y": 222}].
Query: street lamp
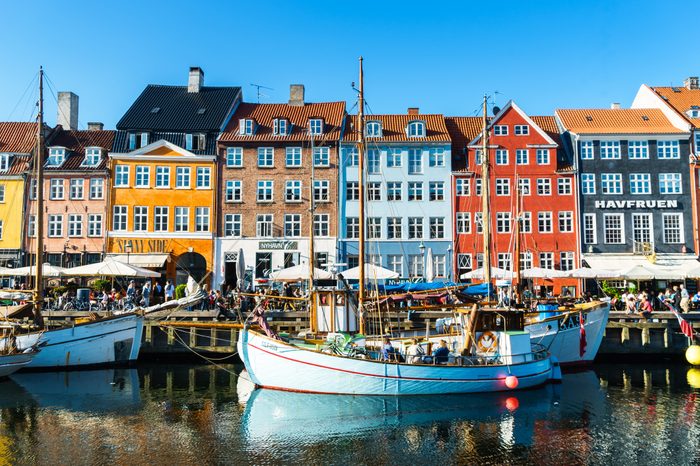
[
  {"x": 421, "y": 246},
  {"x": 449, "y": 261},
  {"x": 127, "y": 248}
]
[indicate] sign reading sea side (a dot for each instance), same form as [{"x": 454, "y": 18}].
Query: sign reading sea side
[{"x": 661, "y": 204}]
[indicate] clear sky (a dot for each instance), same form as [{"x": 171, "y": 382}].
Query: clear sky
[{"x": 439, "y": 57}]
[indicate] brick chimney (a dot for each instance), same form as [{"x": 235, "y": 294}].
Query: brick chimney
[
  {"x": 413, "y": 110},
  {"x": 67, "y": 110},
  {"x": 691, "y": 83},
  {"x": 95, "y": 126},
  {"x": 296, "y": 95},
  {"x": 615, "y": 105},
  {"x": 196, "y": 79}
]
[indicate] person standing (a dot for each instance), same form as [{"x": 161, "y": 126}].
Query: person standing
[
  {"x": 158, "y": 293},
  {"x": 146, "y": 294},
  {"x": 676, "y": 298},
  {"x": 685, "y": 299},
  {"x": 169, "y": 290}
]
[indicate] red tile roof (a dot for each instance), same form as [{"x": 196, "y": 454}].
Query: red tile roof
[
  {"x": 549, "y": 126},
  {"x": 394, "y": 128},
  {"x": 616, "y": 121},
  {"x": 681, "y": 99},
  {"x": 16, "y": 137},
  {"x": 463, "y": 129},
  {"x": 76, "y": 142},
  {"x": 331, "y": 112}
]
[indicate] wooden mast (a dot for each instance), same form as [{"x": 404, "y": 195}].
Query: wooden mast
[
  {"x": 312, "y": 208},
  {"x": 39, "y": 161},
  {"x": 361, "y": 192},
  {"x": 485, "y": 199},
  {"x": 516, "y": 259}
]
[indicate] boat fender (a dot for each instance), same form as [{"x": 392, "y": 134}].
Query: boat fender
[{"x": 487, "y": 342}]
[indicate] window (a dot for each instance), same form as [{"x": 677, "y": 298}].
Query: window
[
  {"x": 462, "y": 187},
  {"x": 464, "y": 222},
  {"x": 524, "y": 186},
  {"x": 75, "y": 225},
  {"x": 638, "y": 149},
  {"x": 121, "y": 176},
  {"x": 266, "y": 157},
  {"x": 246, "y": 127},
  {"x": 393, "y": 191},
  {"x": 352, "y": 228},
  {"x": 436, "y": 190},
  {"x": 56, "y": 157},
  {"x": 373, "y": 161},
  {"x": 464, "y": 263},
  {"x": 501, "y": 157},
  {"x": 232, "y": 225},
  {"x": 542, "y": 156},
  {"x": 4, "y": 162},
  {"x": 586, "y": 148},
  {"x": 395, "y": 263},
  {"x": 544, "y": 222},
  {"x": 590, "y": 235},
  {"x": 182, "y": 177},
  {"x": 611, "y": 183},
  {"x": 544, "y": 186},
  {"x": 140, "y": 218},
  {"x": 322, "y": 157},
  {"x": 479, "y": 260},
  {"x": 352, "y": 157},
  {"x": 500, "y": 130},
  {"x": 76, "y": 188},
  {"x": 316, "y": 126},
  {"x": 504, "y": 261},
  {"x": 203, "y": 177},
  {"x": 161, "y": 218},
  {"x": 201, "y": 219},
  {"x": 182, "y": 218},
  {"x": 143, "y": 176},
  {"x": 292, "y": 191},
  {"x": 415, "y": 190},
  {"x": 95, "y": 225},
  {"x": 263, "y": 225},
  {"x": 609, "y": 150},
  {"x": 564, "y": 186},
  {"x": 373, "y": 129},
  {"x": 502, "y": 187},
  {"x": 614, "y": 228},
  {"x": 697, "y": 141},
  {"x": 96, "y": 188},
  {"x": 56, "y": 189},
  {"x": 436, "y": 157},
  {"x": 93, "y": 156},
  {"x": 503, "y": 222},
  {"x": 195, "y": 141},
  {"x": 566, "y": 260},
  {"x": 234, "y": 157},
  {"x": 566, "y": 221},
  {"x": 547, "y": 260},
  {"x": 525, "y": 260},
  {"x": 526, "y": 222},
  {"x": 137, "y": 140},
  {"x": 640, "y": 183},
  {"x": 292, "y": 157},
  {"x": 415, "y": 227},
  {"x": 31, "y": 226},
  {"x": 292, "y": 225},
  {"x": 234, "y": 191},
  {"x": 55, "y": 226},
  {"x": 416, "y": 129},
  {"x": 279, "y": 127},
  {"x": 415, "y": 161},
  {"x": 393, "y": 158},
  {"x": 437, "y": 227},
  {"x": 119, "y": 217},
  {"x": 374, "y": 191},
  {"x": 587, "y": 183},
  {"x": 667, "y": 149},
  {"x": 439, "y": 261},
  {"x": 415, "y": 265},
  {"x": 374, "y": 228},
  {"x": 352, "y": 191},
  {"x": 522, "y": 156},
  {"x": 2, "y": 193},
  {"x": 673, "y": 228},
  {"x": 522, "y": 130},
  {"x": 162, "y": 177},
  {"x": 321, "y": 190},
  {"x": 478, "y": 224},
  {"x": 670, "y": 183},
  {"x": 477, "y": 157},
  {"x": 264, "y": 192},
  {"x": 393, "y": 228}
]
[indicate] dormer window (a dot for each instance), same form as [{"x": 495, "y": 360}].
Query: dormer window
[
  {"x": 56, "y": 156},
  {"x": 246, "y": 127},
  {"x": 279, "y": 127},
  {"x": 374, "y": 129},
  {"x": 416, "y": 129},
  {"x": 195, "y": 141},
  {"x": 137, "y": 140},
  {"x": 93, "y": 155},
  {"x": 316, "y": 126},
  {"x": 4, "y": 162},
  {"x": 693, "y": 112}
]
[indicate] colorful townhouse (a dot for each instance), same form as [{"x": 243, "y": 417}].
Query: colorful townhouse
[
  {"x": 163, "y": 198},
  {"x": 270, "y": 154},
  {"x": 634, "y": 187},
  {"x": 408, "y": 206},
  {"x": 533, "y": 182}
]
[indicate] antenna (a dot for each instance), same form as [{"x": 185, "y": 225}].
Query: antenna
[{"x": 257, "y": 89}]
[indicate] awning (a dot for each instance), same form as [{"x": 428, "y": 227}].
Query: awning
[
  {"x": 637, "y": 267},
  {"x": 150, "y": 261}
]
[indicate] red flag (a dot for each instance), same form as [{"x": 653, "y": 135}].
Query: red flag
[
  {"x": 686, "y": 327},
  {"x": 582, "y": 336}
]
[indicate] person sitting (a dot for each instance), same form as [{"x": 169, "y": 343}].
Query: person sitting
[
  {"x": 388, "y": 351},
  {"x": 645, "y": 308},
  {"x": 415, "y": 352},
  {"x": 631, "y": 304},
  {"x": 441, "y": 353}
]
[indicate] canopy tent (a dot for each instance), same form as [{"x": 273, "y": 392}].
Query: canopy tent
[
  {"x": 538, "y": 272},
  {"x": 500, "y": 274},
  {"x": 49, "y": 271},
  {"x": 372, "y": 272},
  {"x": 299, "y": 272},
  {"x": 109, "y": 268},
  {"x": 586, "y": 272},
  {"x": 638, "y": 267},
  {"x": 153, "y": 261}
]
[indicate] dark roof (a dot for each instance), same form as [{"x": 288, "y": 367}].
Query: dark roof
[
  {"x": 179, "y": 110},
  {"x": 75, "y": 143},
  {"x": 17, "y": 137},
  {"x": 121, "y": 142}
]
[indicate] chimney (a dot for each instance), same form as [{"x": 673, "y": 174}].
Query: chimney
[
  {"x": 95, "y": 126},
  {"x": 691, "y": 83},
  {"x": 615, "y": 105},
  {"x": 67, "y": 110},
  {"x": 196, "y": 79},
  {"x": 296, "y": 95},
  {"x": 413, "y": 110}
]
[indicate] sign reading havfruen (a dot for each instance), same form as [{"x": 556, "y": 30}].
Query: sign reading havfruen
[
  {"x": 629, "y": 204},
  {"x": 277, "y": 245}
]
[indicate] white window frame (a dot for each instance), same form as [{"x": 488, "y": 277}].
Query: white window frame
[
  {"x": 670, "y": 183},
  {"x": 143, "y": 176},
  {"x": 610, "y": 184},
  {"x": 415, "y": 129},
  {"x": 234, "y": 191},
  {"x": 162, "y": 177},
  {"x": 265, "y": 191},
  {"x": 293, "y": 157},
  {"x": 522, "y": 130},
  {"x": 681, "y": 235},
  {"x": 622, "y": 228},
  {"x": 667, "y": 150},
  {"x": 637, "y": 150},
  {"x": 121, "y": 176},
  {"x": 543, "y": 156},
  {"x": 183, "y": 177},
  {"x": 95, "y": 222},
  {"x": 266, "y": 157},
  {"x": 292, "y": 191},
  {"x": 590, "y": 227},
  {"x": 610, "y": 150},
  {"x": 588, "y": 187},
  {"x": 76, "y": 190},
  {"x": 640, "y": 180},
  {"x": 203, "y": 177},
  {"x": 120, "y": 218},
  {"x": 234, "y": 157},
  {"x": 587, "y": 150},
  {"x": 522, "y": 157},
  {"x": 232, "y": 224}
]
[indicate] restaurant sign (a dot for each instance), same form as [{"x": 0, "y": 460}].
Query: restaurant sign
[
  {"x": 629, "y": 204},
  {"x": 277, "y": 245}
]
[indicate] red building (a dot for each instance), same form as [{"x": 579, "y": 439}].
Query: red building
[{"x": 526, "y": 153}]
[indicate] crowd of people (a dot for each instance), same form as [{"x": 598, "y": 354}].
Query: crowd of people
[{"x": 646, "y": 302}]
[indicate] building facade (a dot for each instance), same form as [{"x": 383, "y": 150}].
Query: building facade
[
  {"x": 269, "y": 154},
  {"x": 408, "y": 213}
]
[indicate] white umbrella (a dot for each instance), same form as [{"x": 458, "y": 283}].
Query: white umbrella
[
  {"x": 586, "y": 272},
  {"x": 109, "y": 268},
  {"x": 429, "y": 267},
  {"x": 371, "y": 272},
  {"x": 240, "y": 269},
  {"x": 638, "y": 272},
  {"x": 500, "y": 274},
  {"x": 299, "y": 272},
  {"x": 538, "y": 272},
  {"x": 47, "y": 269}
]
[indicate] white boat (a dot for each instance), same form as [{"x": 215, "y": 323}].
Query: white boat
[{"x": 11, "y": 363}]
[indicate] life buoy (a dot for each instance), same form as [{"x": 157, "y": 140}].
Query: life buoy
[{"x": 487, "y": 342}]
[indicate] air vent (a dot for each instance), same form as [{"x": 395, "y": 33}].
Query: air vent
[
  {"x": 589, "y": 118},
  {"x": 201, "y": 111},
  {"x": 675, "y": 89},
  {"x": 645, "y": 118},
  {"x": 155, "y": 110}
]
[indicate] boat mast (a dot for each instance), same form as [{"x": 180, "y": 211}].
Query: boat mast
[
  {"x": 485, "y": 199},
  {"x": 312, "y": 208},
  {"x": 39, "y": 161},
  {"x": 516, "y": 259},
  {"x": 361, "y": 192}
]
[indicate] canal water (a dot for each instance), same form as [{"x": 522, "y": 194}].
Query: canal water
[{"x": 201, "y": 415}]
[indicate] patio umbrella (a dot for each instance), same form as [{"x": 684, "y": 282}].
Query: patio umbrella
[
  {"x": 638, "y": 272},
  {"x": 372, "y": 272},
  {"x": 240, "y": 269},
  {"x": 109, "y": 268},
  {"x": 299, "y": 272},
  {"x": 500, "y": 274},
  {"x": 538, "y": 272},
  {"x": 49, "y": 271},
  {"x": 586, "y": 272},
  {"x": 429, "y": 267}
]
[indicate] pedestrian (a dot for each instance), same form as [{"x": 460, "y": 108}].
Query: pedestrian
[
  {"x": 677, "y": 298},
  {"x": 146, "y": 294},
  {"x": 158, "y": 293},
  {"x": 685, "y": 299},
  {"x": 169, "y": 290}
]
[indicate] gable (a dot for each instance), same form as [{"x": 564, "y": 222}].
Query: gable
[{"x": 512, "y": 115}]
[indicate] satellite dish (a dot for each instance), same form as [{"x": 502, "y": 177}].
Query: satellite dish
[{"x": 496, "y": 110}]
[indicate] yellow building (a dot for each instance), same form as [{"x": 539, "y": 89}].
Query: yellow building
[{"x": 162, "y": 210}]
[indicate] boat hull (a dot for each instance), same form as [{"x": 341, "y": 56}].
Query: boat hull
[
  {"x": 9, "y": 364},
  {"x": 278, "y": 365}
]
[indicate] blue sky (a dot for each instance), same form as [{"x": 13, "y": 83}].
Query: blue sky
[{"x": 439, "y": 57}]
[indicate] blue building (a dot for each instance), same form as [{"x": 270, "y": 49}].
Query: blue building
[{"x": 408, "y": 193}]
